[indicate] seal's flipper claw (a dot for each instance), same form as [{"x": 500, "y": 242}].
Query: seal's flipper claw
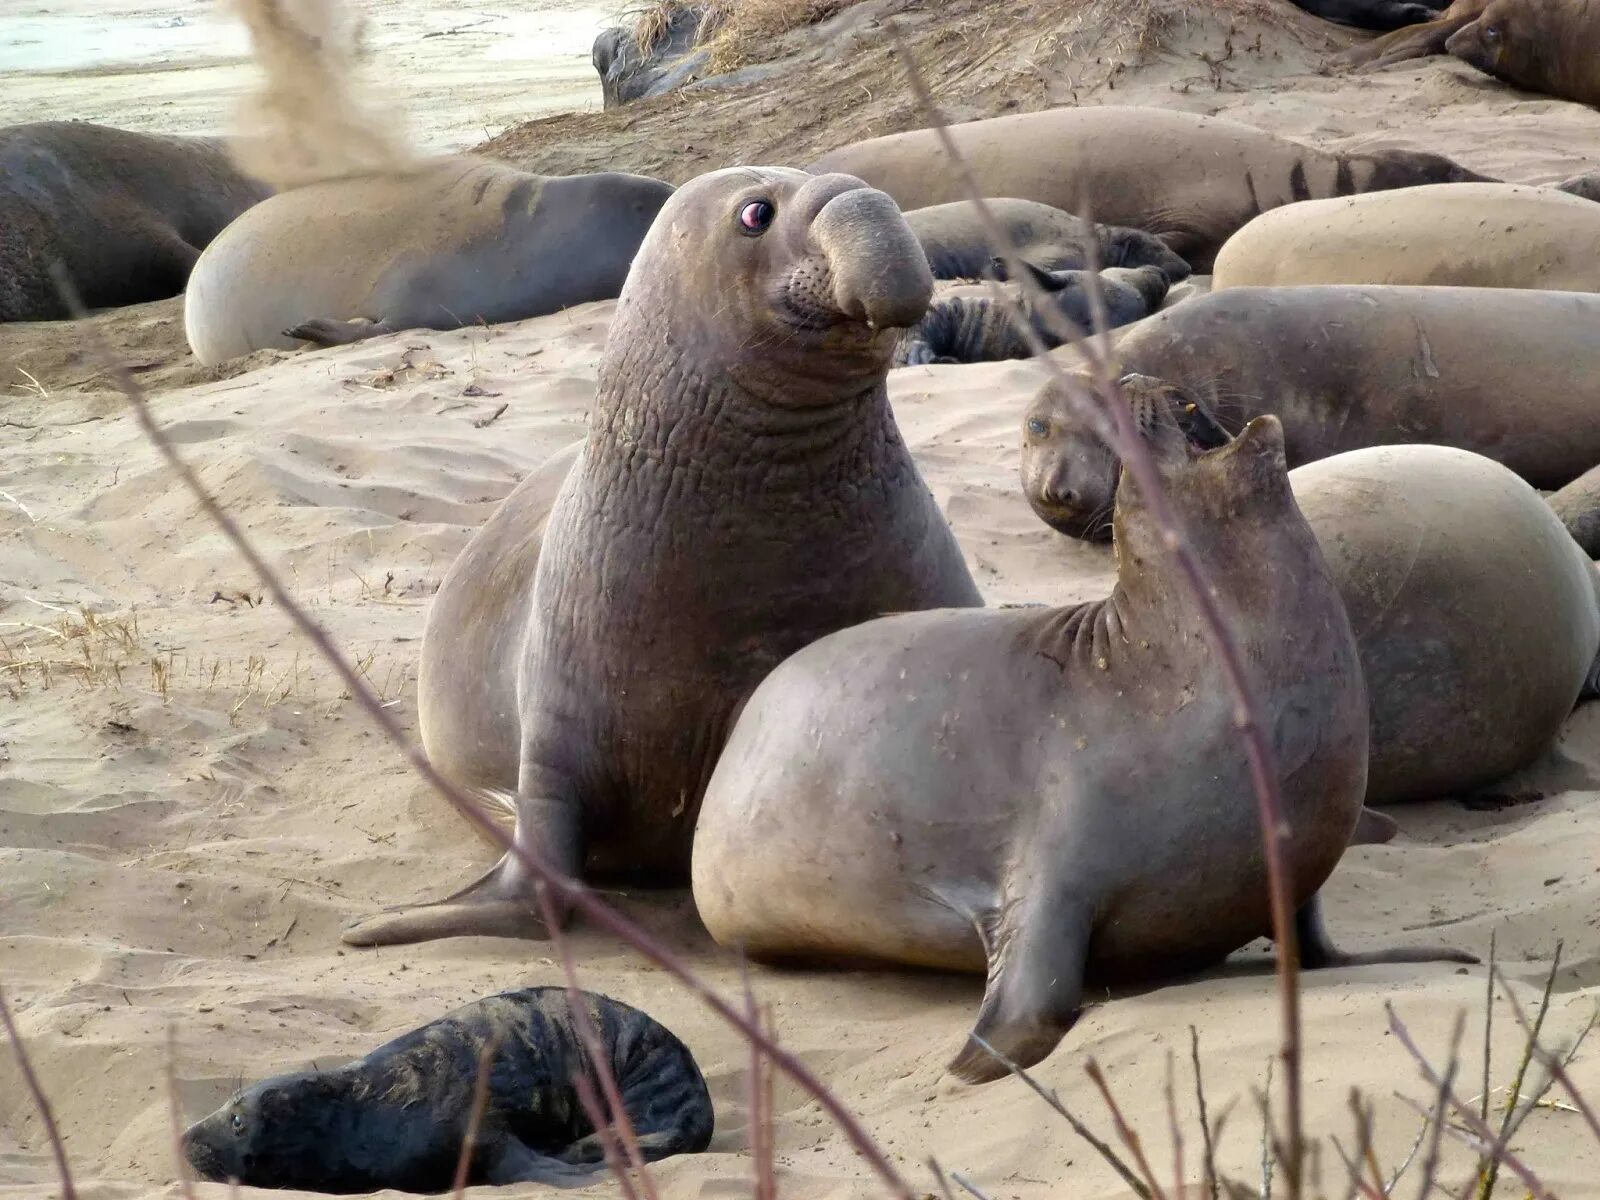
[
  {"x": 1317, "y": 950},
  {"x": 1035, "y": 991},
  {"x": 1374, "y": 828},
  {"x": 493, "y": 905},
  {"x": 320, "y": 331}
]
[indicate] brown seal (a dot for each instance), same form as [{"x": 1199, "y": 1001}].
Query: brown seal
[
  {"x": 1058, "y": 797},
  {"x": 1456, "y": 235},
  {"x": 958, "y": 247},
  {"x": 1511, "y": 374},
  {"x": 1191, "y": 180},
  {"x": 1475, "y": 613},
  {"x": 127, "y": 214},
  {"x": 743, "y": 490},
  {"x": 449, "y": 242},
  {"x": 398, "y": 1117},
  {"x": 1415, "y": 41},
  {"x": 1546, "y": 46}
]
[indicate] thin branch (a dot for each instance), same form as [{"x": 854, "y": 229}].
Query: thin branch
[
  {"x": 1488, "y": 1029},
  {"x": 572, "y": 892},
  {"x": 606, "y": 1132},
  {"x": 52, "y": 1132},
  {"x": 1205, "y": 1128},
  {"x": 969, "y": 1186},
  {"x": 1180, "y": 1188},
  {"x": 1552, "y": 1062},
  {"x": 1489, "y": 1170},
  {"x": 1140, "y": 465},
  {"x": 1430, "y": 1164},
  {"x": 1130, "y": 1139},
  {"x": 175, "y": 1115},
  {"x": 1078, "y": 1127},
  {"x": 480, "y": 1101}
]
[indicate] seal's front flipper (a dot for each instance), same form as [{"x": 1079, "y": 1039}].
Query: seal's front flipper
[
  {"x": 1035, "y": 990},
  {"x": 1374, "y": 828},
  {"x": 320, "y": 331},
  {"x": 512, "y": 1162},
  {"x": 1318, "y": 951}
]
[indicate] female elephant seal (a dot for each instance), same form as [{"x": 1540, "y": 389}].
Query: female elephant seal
[
  {"x": 743, "y": 491},
  {"x": 1191, "y": 180},
  {"x": 127, "y": 214},
  {"x": 450, "y": 242},
  {"x": 1475, "y": 613},
  {"x": 1462, "y": 235},
  {"x": 1511, "y": 374},
  {"x": 1057, "y": 796},
  {"x": 398, "y": 1117},
  {"x": 1546, "y": 46},
  {"x": 958, "y": 246}
]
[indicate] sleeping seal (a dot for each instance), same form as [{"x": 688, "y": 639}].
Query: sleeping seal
[
  {"x": 743, "y": 490},
  {"x": 398, "y": 1117}
]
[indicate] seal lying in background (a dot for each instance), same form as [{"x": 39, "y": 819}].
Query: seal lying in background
[
  {"x": 1578, "y": 507},
  {"x": 953, "y": 237},
  {"x": 1508, "y": 373},
  {"x": 451, "y": 242},
  {"x": 1586, "y": 185},
  {"x": 1058, "y": 796},
  {"x": 1373, "y": 14},
  {"x": 743, "y": 491},
  {"x": 1191, "y": 180},
  {"x": 1415, "y": 41},
  {"x": 1466, "y": 235},
  {"x": 1475, "y": 613},
  {"x": 1546, "y": 46},
  {"x": 398, "y": 1117},
  {"x": 125, "y": 213},
  {"x": 968, "y": 329}
]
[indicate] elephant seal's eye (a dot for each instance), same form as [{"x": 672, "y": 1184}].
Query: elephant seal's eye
[
  {"x": 1038, "y": 427},
  {"x": 755, "y": 216},
  {"x": 1491, "y": 33},
  {"x": 238, "y": 1120}
]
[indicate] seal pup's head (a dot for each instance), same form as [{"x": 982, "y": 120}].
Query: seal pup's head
[
  {"x": 791, "y": 286},
  {"x": 1121, "y": 246},
  {"x": 1069, "y": 475},
  {"x": 277, "y": 1134}
]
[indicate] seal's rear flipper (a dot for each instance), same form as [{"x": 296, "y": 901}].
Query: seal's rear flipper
[
  {"x": 1035, "y": 990},
  {"x": 1318, "y": 951},
  {"x": 512, "y": 1162},
  {"x": 320, "y": 331},
  {"x": 490, "y": 906}
]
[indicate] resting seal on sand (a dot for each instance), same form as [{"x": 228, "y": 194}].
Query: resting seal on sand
[
  {"x": 1474, "y": 611},
  {"x": 1189, "y": 179},
  {"x": 1546, "y": 46},
  {"x": 125, "y": 213},
  {"x": 1464, "y": 235},
  {"x": 1057, "y": 796},
  {"x": 1511, "y": 374},
  {"x": 1586, "y": 185},
  {"x": 953, "y": 237},
  {"x": 743, "y": 491},
  {"x": 968, "y": 329},
  {"x": 1578, "y": 506},
  {"x": 1415, "y": 41},
  {"x": 398, "y": 1117},
  {"x": 452, "y": 242},
  {"x": 1373, "y": 14}
]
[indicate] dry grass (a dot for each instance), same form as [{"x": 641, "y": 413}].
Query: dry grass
[{"x": 737, "y": 32}]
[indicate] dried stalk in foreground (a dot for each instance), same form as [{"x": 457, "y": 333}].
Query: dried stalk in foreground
[
  {"x": 1489, "y": 1167},
  {"x": 175, "y": 1116},
  {"x": 47, "y": 1115},
  {"x": 1137, "y": 461},
  {"x": 574, "y": 893},
  {"x": 480, "y": 1100}
]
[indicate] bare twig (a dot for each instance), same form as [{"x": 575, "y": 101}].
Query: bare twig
[
  {"x": 606, "y": 1132},
  {"x": 52, "y": 1132},
  {"x": 760, "y": 1096},
  {"x": 1488, "y": 1029},
  {"x": 1552, "y": 1062},
  {"x": 480, "y": 1100},
  {"x": 175, "y": 1116},
  {"x": 1430, "y": 1163},
  {"x": 1205, "y": 1128},
  {"x": 1140, "y": 465},
  {"x": 1078, "y": 1127},
  {"x": 572, "y": 892},
  {"x": 1489, "y": 1169},
  {"x": 1130, "y": 1139},
  {"x": 1495, "y": 1147},
  {"x": 1179, "y": 1187},
  {"x": 969, "y": 1186}
]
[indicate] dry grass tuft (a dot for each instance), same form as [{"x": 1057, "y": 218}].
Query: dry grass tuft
[{"x": 735, "y": 31}]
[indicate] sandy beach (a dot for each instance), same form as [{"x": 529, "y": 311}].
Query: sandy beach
[{"x": 191, "y": 810}]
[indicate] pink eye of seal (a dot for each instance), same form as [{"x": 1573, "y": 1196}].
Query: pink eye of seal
[{"x": 755, "y": 216}]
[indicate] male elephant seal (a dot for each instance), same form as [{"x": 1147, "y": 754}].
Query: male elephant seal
[
  {"x": 452, "y": 242},
  {"x": 1546, "y": 46},
  {"x": 958, "y": 246},
  {"x": 1057, "y": 795},
  {"x": 1513, "y": 375},
  {"x": 1474, "y": 611},
  {"x": 1464, "y": 235},
  {"x": 398, "y": 1117},
  {"x": 1373, "y": 14},
  {"x": 1189, "y": 179},
  {"x": 125, "y": 213},
  {"x": 743, "y": 491},
  {"x": 1586, "y": 185},
  {"x": 968, "y": 329}
]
